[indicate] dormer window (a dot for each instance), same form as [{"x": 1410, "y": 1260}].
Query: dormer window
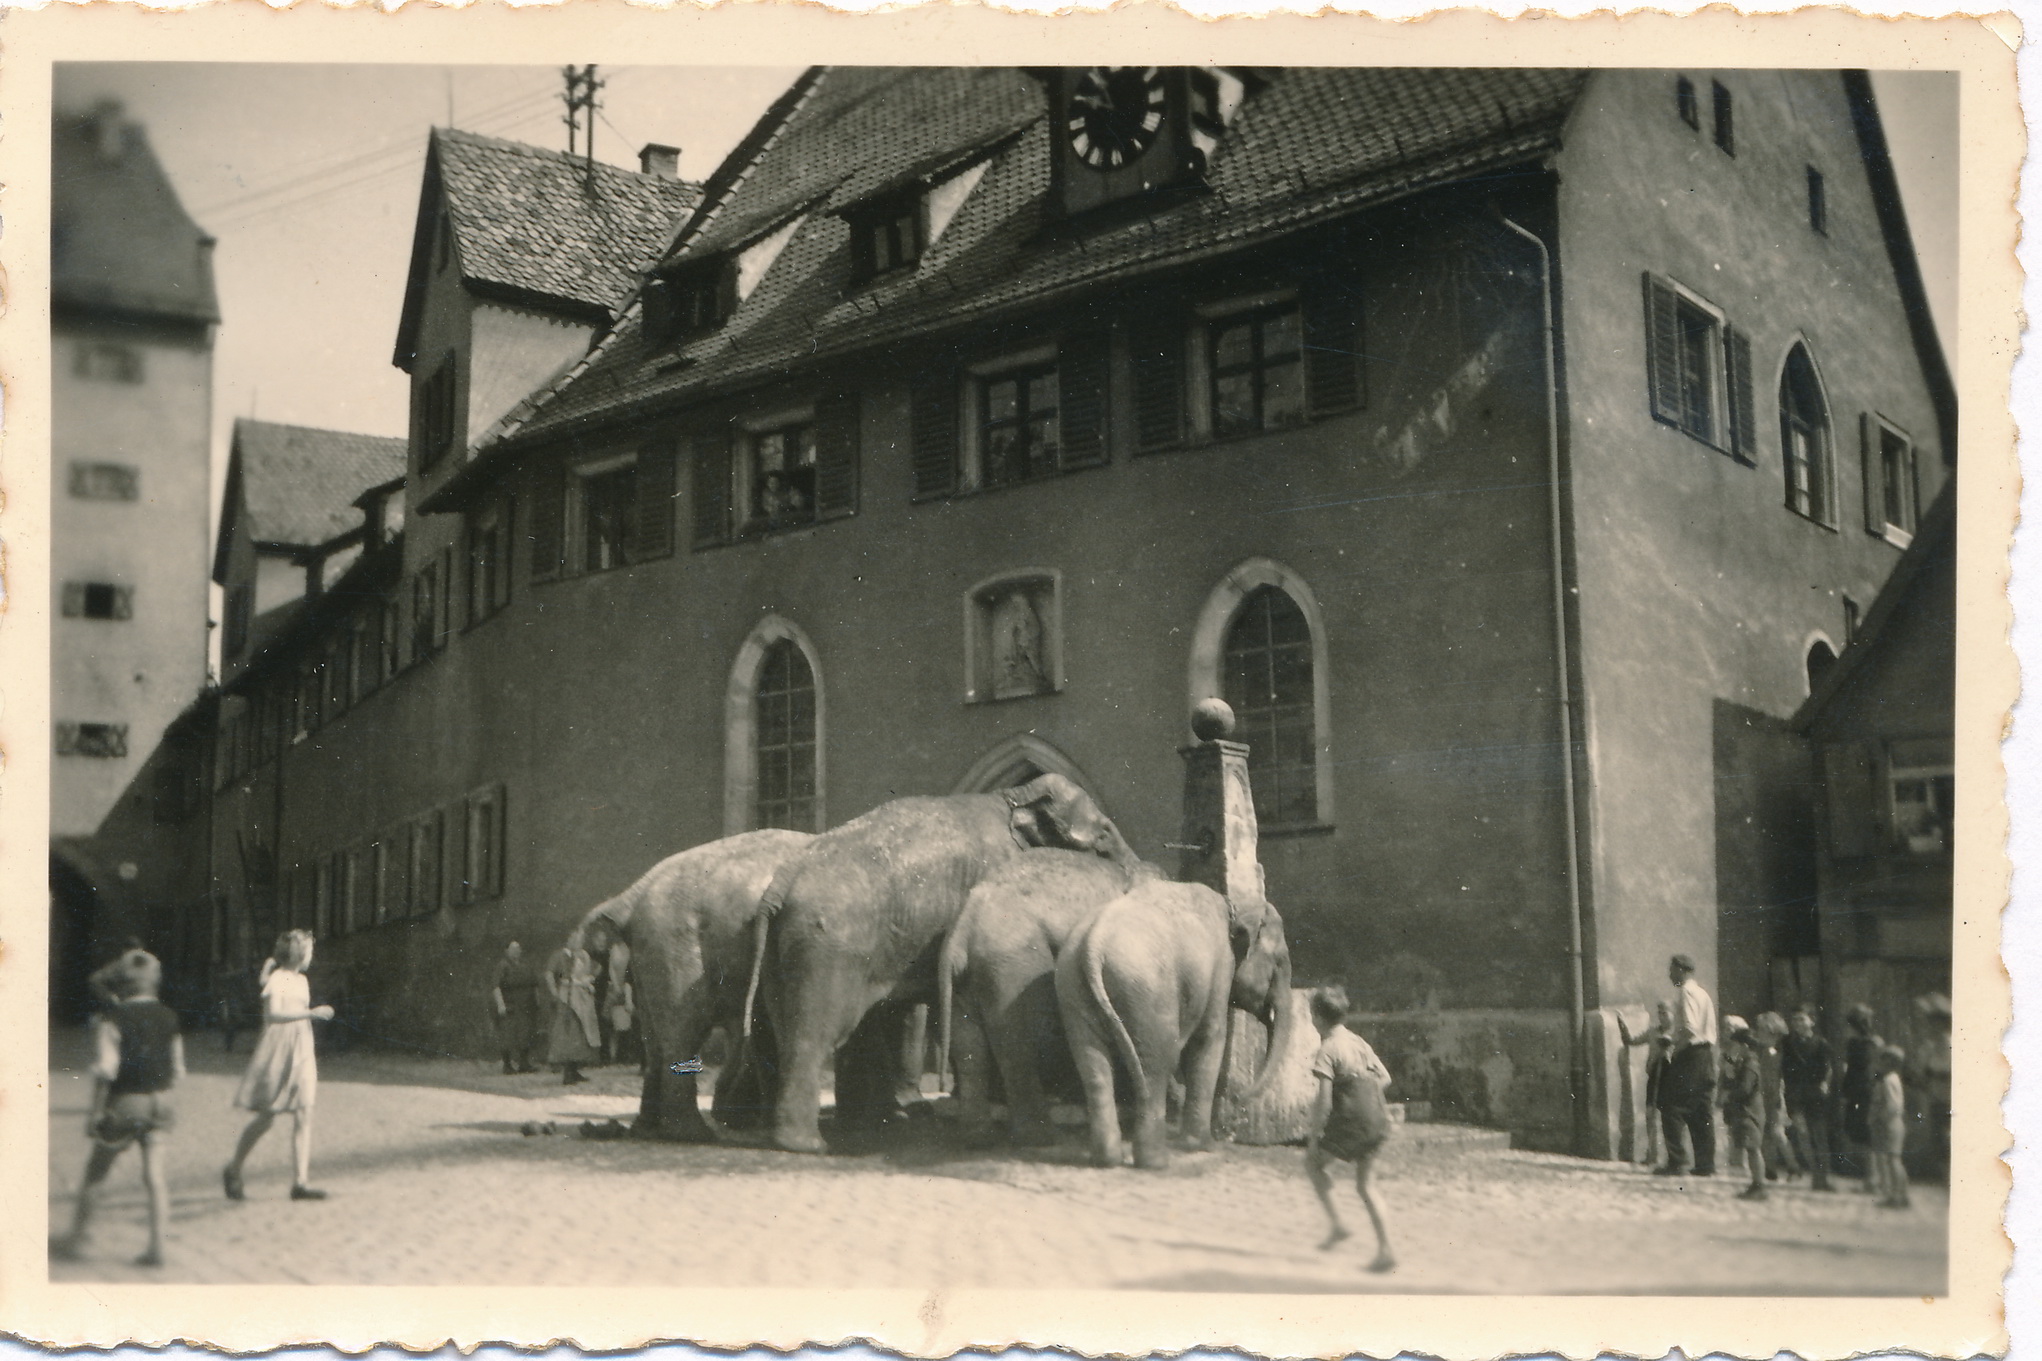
[
  {"x": 697, "y": 298},
  {"x": 887, "y": 235}
]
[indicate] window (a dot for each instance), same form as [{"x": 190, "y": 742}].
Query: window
[
  {"x": 1684, "y": 100},
  {"x": 394, "y": 897},
  {"x": 1818, "y": 202},
  {"x": 786, "y": 739},
  {"x": 1018, "y": 431},
  {"x": 781, "y": 477},
  {"x": 1268, "y": 678},
  {"x": 697, "y": 298},
  {"x": 392, "y": 638},
  {"x": 1892, "y": 497},
  {"x": 887, "y": 236},
  {"x": 1821, "y": 660},
  {"x": 1805, "y": 442},
  {"x": 98, "y": 600},
  {"x": 1698, "y": 369},
  {"x": 1726, "y": 133},
  {"x": 1256, "y": 364},
  {"x": 364, "y": 662},
  {"x": 424, "y": 875},
  {"x": 489, "y": 546},
  {"x": 607, "y": 501},
  {"x": 92, "y": 739},
  {"x": 425, "y": 612},
  {"x": 436, "y": 414},
  {"x": 482, "y": 858},
  {"x": 240, "y": 617},
  {"x": 103, "y": 363},
  {"x": 105, "y": 482},
  {"x": 1922, "y": 786}
]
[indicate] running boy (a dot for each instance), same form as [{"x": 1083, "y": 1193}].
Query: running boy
[
  {"x": 1350, "y": 1120},
  {"x": 141, "y": 1057}
]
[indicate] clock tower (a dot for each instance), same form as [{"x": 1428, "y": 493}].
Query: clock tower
[{"x": 1121, "y": 134}]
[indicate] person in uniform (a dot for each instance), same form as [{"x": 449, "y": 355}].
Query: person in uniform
[{"x": 1350, "y": 1121}]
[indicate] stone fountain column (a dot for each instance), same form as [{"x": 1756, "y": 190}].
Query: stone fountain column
[{"x": 1218, "y": 849}]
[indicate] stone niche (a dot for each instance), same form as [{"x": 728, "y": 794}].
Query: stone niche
[{"x": 1013, "y": 636}]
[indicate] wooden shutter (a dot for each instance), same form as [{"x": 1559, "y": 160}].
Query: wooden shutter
[
  {"x": 549, "y": 519},
  {"x": 1156, "y": 364},
  {"x": 712, "y": 488},
  {"x": 506, "y": 535},
  {"x": 443, "y": 623},
  {"x": 1850, "y": 786},
  {"x": 656, "y": 489},
  {"x": 1743, "y": 415},
  {"x": 1875, "y": 474},
  {"x": 1084, "y": 364},
  {"x": 1332, "y": 316},
  {"x": 836, "y": 456},
  {"x": 1662, "y": 350},
  {"x": 500, "y": 843},
  {"x": 932, "y": 422}
]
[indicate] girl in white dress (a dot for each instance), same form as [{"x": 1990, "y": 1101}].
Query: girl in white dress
[{"x": 283, "y": 1073}]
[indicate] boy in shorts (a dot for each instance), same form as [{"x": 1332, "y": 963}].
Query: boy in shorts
[
  {"x": 140, "y": 1058},
  {"x": 1741, "y": 1089},
  {"x": 1350, "y": 1120}
]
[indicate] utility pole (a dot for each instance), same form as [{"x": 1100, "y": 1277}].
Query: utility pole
[{"x": 580, "y": 98}]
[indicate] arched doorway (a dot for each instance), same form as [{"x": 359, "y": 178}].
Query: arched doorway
[{"x": 1018, "y": 760}]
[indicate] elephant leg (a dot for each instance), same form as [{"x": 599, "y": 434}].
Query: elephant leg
[
  {"x": 914, "y": 1055},
  {"x": 1017, "y": 1035},
  {"x": 1201, "y": 1068},
  {"x": 970, "y": 1060},
  {"x": 1159, "y": 1054},
  {"x": 869, "y": 1069},
  {"x": 667, "y": 1106},
  {"x": 744, "y": 1088}
]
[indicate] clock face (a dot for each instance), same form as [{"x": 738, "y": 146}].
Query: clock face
[{"x": 1115, "y": 114}]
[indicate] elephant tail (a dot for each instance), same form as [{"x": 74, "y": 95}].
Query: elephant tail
[
  {"x": 770, "y": 903},
  {"x": 949, "y": 964},
  {"x": 1094, "y": 961}
]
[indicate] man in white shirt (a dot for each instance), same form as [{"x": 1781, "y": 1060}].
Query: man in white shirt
[{"x": 1688, "y": 1089}]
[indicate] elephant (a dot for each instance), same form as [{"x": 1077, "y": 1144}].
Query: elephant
[
  {"x": 853, "y": 924},
  {"x": 997, "y": 977},
  {"x": 688, "y": 922},
  {"x": 1147, "y": 982}
]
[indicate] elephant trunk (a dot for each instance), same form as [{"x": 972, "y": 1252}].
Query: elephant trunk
[{"x": 1283, "y": 1024}]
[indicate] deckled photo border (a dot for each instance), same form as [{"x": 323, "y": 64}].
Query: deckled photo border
[{"x": 1967, "y": 1321}]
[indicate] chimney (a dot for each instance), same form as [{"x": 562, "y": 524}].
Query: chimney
[{"x": 654, "y": 158}]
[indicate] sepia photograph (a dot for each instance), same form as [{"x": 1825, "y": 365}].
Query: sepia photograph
[{"x": 1275, "y": 680}]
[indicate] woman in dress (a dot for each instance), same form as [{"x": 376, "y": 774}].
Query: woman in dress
[
  {"x": 576, "y": 1037},
  {"x": 283, "y": 1073}
]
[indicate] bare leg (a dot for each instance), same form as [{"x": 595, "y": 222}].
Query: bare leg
[
  {"x": 301, "y": 1146},
  {"x": 1385, "y": 1260},
  {"x": 155, "y": 1159},
  {"x": 1896, "y": 1181},
  {"x": 1322, "y": 1186},
  {"x": 97, "y": 1165},
  {"x": 257, "y": 1127}
]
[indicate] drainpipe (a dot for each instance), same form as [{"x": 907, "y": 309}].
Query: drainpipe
[{"x": 1577, "y": 1007}]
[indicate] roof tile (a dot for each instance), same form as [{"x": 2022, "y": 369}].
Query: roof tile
[{"x": 299, "y": 483}]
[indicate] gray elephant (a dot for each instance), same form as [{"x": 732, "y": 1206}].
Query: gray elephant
[
  {"x": 853, "y": 924},
  {"x": 996, "y": 981},
  {"x": 688, "y": 922},
  {"x": 1146, "y": 983}
]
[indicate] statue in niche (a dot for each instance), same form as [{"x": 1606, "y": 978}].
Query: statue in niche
[{"x": 1018, "y": 664}]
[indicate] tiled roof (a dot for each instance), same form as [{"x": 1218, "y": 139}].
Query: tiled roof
[
  {"x": 552, "y": 224},
  {"x": 1317, "y": 142},
  {"x": 119, "y": 237},
  {"x": 299, "y": 484}
]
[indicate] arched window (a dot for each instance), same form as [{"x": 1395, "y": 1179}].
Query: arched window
[
  {"x": 1267, "y": 679},
  {"x": 785, "y": 740},
  {"x": 1260, "y": 644},
  {"x": 1804, "y": 440},
  {"x": 773, "y": 718},
  {"x": 1821, "y": 657}
]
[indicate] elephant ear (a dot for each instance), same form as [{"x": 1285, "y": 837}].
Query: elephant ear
[
  {"x": 1245, "y": 920},
  {"x": 1041, "y": 807}
]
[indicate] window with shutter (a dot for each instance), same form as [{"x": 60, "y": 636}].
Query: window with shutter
[
  {"x": 1691, "y": 360},
  {"x": 1743, "y": 418},
  {"x": 836, "y": 456},
  {"x": 656, "y": 492},
  {"x": 548, "y": 520},
  {"x": 711, "y": 488},
  {"x": 1332, "y": 347},
  {"x": 932, "y": 420},
  {"x": 1892, "y": 497},
  {"x": 444, "y": 622},
  {"x": 1084, "y": 366},
  {"x": 1805, "y": 442},
  {"x": 778, "y": 473},
  {"x": 1156, "y": 368}
]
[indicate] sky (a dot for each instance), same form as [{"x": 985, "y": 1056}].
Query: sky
[{"x": 309, "y": 177}]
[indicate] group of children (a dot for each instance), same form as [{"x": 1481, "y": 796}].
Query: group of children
[
  {"x": 139, "y": 1060},
  {"x": 1773, "y": 1085}
]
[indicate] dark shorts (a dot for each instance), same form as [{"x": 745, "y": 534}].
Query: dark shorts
[
  {"x": 1744, "y": 1131},
  {"x": 1352, "y": 1142},
  {"x": 134, "y": 1115}
]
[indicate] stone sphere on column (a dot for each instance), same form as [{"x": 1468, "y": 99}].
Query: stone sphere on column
[{"x": 1212, "y": 719}]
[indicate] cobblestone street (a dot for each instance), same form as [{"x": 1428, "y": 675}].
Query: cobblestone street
[{"x": 433, "y": 1183}]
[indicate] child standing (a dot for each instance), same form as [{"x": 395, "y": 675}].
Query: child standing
[
  {"x": 1889, "y": 1127},
  {"x": 1660, "y": 1038},
  {"x": 1350, "y": 1120},
  {"x": 1767, "y": 1032},
  {"x": 1742, "y": 1093},
  {"x": 141, "y": 1057},
  {"x": 283, "y": 1073}
]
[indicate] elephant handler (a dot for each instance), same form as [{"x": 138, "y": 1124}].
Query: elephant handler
[
  {"x": 1687, "y": 1091},
  {"x": 1350, "y": 1122}
]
